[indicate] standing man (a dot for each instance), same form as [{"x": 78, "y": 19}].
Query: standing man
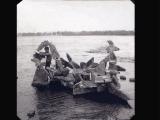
[{"x": 48, "y": 57}]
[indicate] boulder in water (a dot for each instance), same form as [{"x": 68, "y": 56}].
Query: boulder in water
[
  {"x": 119, "y": 68},
  {"x": 31, "y": 114},
  {"x": 132, "y": 80},
  {"x": 123, "y": 77}
]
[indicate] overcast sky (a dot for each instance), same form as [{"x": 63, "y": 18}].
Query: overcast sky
[{"x": 49, "y": 15}]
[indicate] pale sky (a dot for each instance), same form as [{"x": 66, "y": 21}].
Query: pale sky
[{"x": 49, "y": 15}]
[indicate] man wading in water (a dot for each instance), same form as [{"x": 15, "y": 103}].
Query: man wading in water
[
  {"x": 48, "y": 57},
  {"x": 58, "y": 68}
]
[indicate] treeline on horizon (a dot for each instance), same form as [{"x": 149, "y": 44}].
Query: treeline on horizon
[{"x": 81, "y": 33}]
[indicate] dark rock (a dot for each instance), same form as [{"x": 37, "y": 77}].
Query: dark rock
[
  {"x": 90, "y": 62},
  {"x": 123, "y": 77},
  {"x": 132, "y": 80},
  {"x": 66, "y": 63},
  {"x": 94, "y": 65},
  {"x": 31, "y": 114},
  {"x": 83, "y": 65},
  {"x": 68, "y": 57},
  {"x": 114, "y": 72},
  {"x": 133, "y": 117},
  {"x": 119, "y": 68},
  {"x": 86, "y": 76}
]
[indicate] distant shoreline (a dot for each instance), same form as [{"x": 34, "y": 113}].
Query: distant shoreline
[{"x": 81, "y": 33}]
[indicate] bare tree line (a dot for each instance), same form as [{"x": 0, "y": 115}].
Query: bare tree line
[{"x": 81, "y": 33}]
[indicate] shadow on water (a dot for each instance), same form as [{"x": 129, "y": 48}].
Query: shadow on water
[
  {"x": 58, "y": 103},
  {"x": 103, "y": 97}
]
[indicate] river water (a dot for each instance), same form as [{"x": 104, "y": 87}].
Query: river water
[{"x": 59, "y": 104}]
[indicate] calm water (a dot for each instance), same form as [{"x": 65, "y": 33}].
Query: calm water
[{"x": 60, "y": 105}]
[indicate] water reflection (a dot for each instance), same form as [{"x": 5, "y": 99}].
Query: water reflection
[{"x": 61, "y": 105}]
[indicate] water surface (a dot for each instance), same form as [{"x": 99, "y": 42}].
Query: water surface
[{"x": 61, "y": 105}]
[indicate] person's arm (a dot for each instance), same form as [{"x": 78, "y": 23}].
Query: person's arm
[{"x": 44, "y": 54}]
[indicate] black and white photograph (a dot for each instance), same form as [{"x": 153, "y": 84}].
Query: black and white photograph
[{"x": 75, "y": 60}]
